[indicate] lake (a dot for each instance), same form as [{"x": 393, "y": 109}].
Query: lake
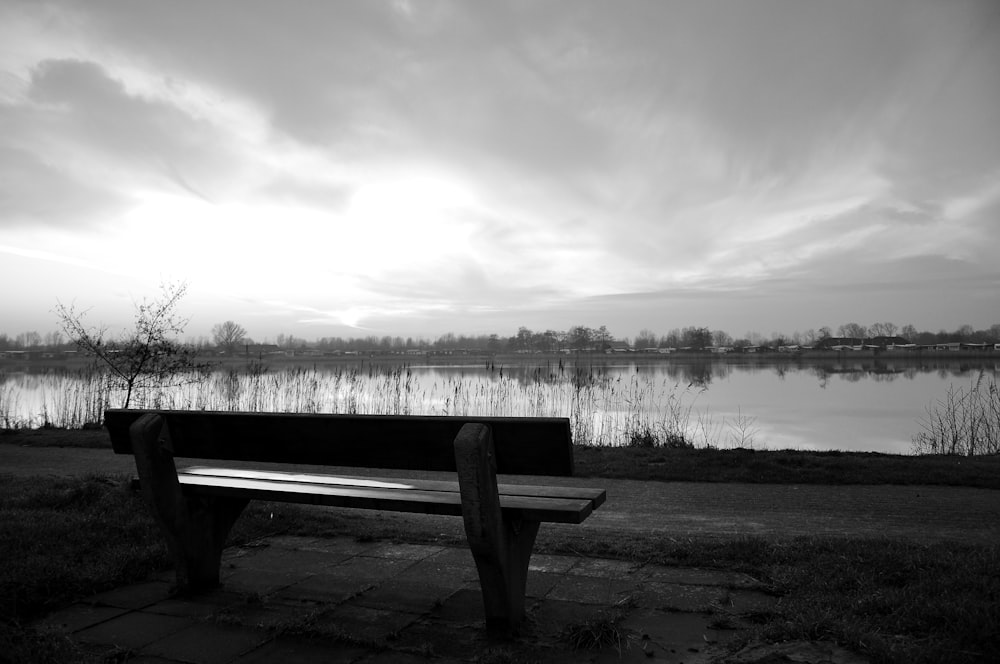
[{"x": 861, "y": 404}]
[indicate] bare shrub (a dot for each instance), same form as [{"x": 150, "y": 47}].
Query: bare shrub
[{"x": 965, "y": 421}]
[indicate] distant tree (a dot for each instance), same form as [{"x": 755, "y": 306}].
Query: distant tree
[
  {"x": 494, "y": 344},
  {"x": 696, "y": 337},
  {"x": 551, "y": 339},
  {"x": 522, "y": 341},
  {"x": 646, "y": 339},
  {"x": 228, "y": 335},
  {"x": 909, "y": 333},
  {"x": 145, "y": 356},
  {"x": 882, "y": 330},
  {"x": 824, "y": 333},
  {"x": 602, "y": 337},
  {"x": 28, "y": 339},
  {"x": 721, "y": 338},
  {"x": 580, "y": 337},
  {"x": 853, "y": 330},
  {"x": 54, "y": 339}
]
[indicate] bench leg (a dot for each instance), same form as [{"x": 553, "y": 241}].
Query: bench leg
[
  {"x": 195, "y": 527},
  {"x": 501, "y": 547}
]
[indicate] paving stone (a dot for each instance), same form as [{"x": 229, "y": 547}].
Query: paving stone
[
  {"x": 263, "y": 582},
  {"x": 133, "y": 630},
  {"x": 363, "y": 623},
  {"x": 136, "y": 596},
  {"x": 206, "y": 643},
  {"x": 540, "y": 584},
  {"x": 592, "y": 590},
  {"x": 678, "y": 597},
  {"x": 443, "y": 574},
  {"x": 541, "y": 562},
  {"x": 464, "y": 606},
  {"x": 397, "y": 657},
  {"x": 303, "y": 561},
  {"x": 79, "y": 616},
  {"x": 270, "y": 613},
  {"x": 303, "y": 651},
  {"x": 600, "y": 567},
  {"x": 202, "y": 605},
  {"x": 345, "y": 546},
  {"x": 442, "y": 639},
  {"x": 370, "y": 570},
  {"x": 326, "y": 588},
  {"x": 409, "y": 596},
  {"x": 142, "y": 659},
  {"x": 398, "y": 551}
]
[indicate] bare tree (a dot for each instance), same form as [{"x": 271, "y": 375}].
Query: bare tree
[
  {"x": 54, "y": 339},
  {"x": 147, "y": 355},
  {"x": 29, "y": 339},
  {"x": 721, "y": 338},
  {"x": 882, "y": 330},
  {"x": 229, "y": 335},
  {"x": 853, "y": 330}
]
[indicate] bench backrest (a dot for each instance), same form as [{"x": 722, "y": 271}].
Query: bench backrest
[{"x": 524, "y": 445}]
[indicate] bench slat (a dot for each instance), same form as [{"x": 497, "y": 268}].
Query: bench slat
[
  {"x": 595, "y": 496},
  {"x": 559, "y": 510}
]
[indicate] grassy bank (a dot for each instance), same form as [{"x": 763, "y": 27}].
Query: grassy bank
[
  {"x": 697, "y": 465},
  {"x": 893, "y": 601}
]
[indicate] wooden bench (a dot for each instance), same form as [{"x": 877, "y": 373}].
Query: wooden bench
[{"x": 196, "y": 507}]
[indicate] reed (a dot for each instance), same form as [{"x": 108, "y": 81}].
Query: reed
[
  {"x": 604, "y": 408},
  {"x": 965, "y": 421}
]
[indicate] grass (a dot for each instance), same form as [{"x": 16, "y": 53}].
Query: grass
[
  {"x": 893, "y": 601},
  {"x": 785, "y": 466}
]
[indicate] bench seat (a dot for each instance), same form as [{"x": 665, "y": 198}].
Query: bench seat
[{"x": 534, "y": 503}]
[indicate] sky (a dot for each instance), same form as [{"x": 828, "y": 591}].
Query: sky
[{"x": 337, "y": 168}]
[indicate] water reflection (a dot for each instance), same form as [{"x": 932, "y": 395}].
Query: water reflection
[
  {"x": 702, "y": 372},
  {"x": 867, "y": 403}
]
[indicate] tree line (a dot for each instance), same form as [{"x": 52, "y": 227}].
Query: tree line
[{"x": 233, "y": 338}]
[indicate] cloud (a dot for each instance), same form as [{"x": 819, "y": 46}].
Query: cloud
[
  {"x": 601, "y": 150},
  {"x": 84, "y": 107},
  {"x": 35, "y": 191}
]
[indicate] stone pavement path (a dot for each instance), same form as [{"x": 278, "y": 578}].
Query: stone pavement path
[{"x": 297, "y": 599}]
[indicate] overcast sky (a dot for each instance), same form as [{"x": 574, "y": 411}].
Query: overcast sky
[{"x": 352, "y": 168}]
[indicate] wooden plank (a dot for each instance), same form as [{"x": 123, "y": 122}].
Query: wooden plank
[
  {"x": 524, "y": 445},
  {"x": 381, "y": 498},
  {"x": 595, "y": 496}
]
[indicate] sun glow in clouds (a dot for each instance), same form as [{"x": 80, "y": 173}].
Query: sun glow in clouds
[{"x": 410, "y": 218}]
